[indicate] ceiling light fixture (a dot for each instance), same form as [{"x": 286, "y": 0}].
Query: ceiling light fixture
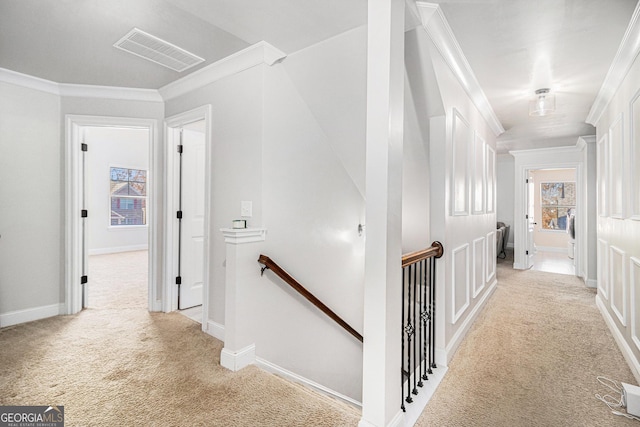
[{"x": 543, "y": 103}]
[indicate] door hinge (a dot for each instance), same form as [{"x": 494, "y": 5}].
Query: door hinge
[
  {"x": 526, "y": 216},
  {"x": 180, "y": 148},
  {"x": 178, "y": 280},
  {"x": 84, "y": 147},
  {"x": 84, "y": 213},
  {"x": 179, "y": 214},
  {"x": 526, "y": 252},
  {"x": 84, "y": 280}
]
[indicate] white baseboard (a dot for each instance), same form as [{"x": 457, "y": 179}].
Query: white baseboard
[
  {"x": 236, "y": 360},
  {"x": 633, "y": 363},
  {"x": 510, "y": 245},
  {"x": 118, "y": 249},
  {"x": 457, "y": 338},
  {"x": 591, "y": 283},
  {"x": 215, "y": 329},
  {"x": 441, "y": 357},
  {"x": 30, "y": 314},
  {"x": 397, "y": 421},
  {"x": 284, "y": 373}
]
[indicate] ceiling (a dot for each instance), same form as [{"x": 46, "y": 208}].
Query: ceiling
[{"x": 513, "y": 46}]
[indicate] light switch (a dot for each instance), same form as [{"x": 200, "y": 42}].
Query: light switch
[{"x": 245, "y": 209}]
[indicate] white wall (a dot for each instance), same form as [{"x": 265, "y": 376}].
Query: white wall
[
  {"x": 505, "y": 175},
  {"x": 290, "y": 138},
  {"x": 619, "y": 214},
  {"x": 31, "y": 197},
  {"x": 112, "y": 147},
  {"x": 462, "y": 201}
]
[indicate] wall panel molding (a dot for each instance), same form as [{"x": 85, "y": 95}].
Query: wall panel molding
[
  {"x": 462, "y": 138},
  {"x": 634, "y": 281},
  {"x": 491, "y": 256},
  {"x": 603, "y": 175},
  {"x": 617, "y": 279},
  {"x": 479, "y": 265},
  {"x": 479, "y": 182},
  {"x": 616, "y": 168},
  {"x": 460, "y": 281},
  {"x": 490, "y": 174},
  {"x": 634, "y": 158},
  {"x": 603, "y": 268}
]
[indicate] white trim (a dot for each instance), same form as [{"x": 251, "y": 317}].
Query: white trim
[
  {"x": 626, "y": 351},
  {"x": 591, "y": 283},
  {"x": 170, "y": 301},
  {"x": 215, "y": 329},
  {"x": 617, "y": 170},
  {"x": 30, "y": 314},
  {"x": 455, "y": 315},
  {"x": 109, "y": 92},
  {"x": 118, "y": 249},
  {"x": 438, "y": 29},
  {"x": 415, "y": 409},
  {"x": 236, "y": 360},
  {"x": 477, "y": 289},
  {"x": 236, "y": 236},
  {"x": 27, "y": 81},
  {"x": 626, "y": 55},
  {"x": 634, "y": 156},
  {"x": 634, "y": 264},
  {"x": 259, "y": 53},
  {"x": 461, "y": 333},
  {"x": 73, "y": 194},
  {"x": 602, "y": 254},
  {"x": 456, "y": 118},
  {"x": 622, "y": 317},
  {"x": 291, "y": 376},
  {"x": 491, "y": 243},
  {"x": 510, "y": 245},
  {"x": 78, "y": 90}
]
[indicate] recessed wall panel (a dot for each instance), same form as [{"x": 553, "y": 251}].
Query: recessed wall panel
[
  {"x": 617, "y": 280},
  {"x": 491, "y": 180},
  {"x": 635, "y": 157},
  {"x": 634, "y": 280},
  {"x": 479, "y": 169},
  {"x": 478, "y": 265},
  {"x": 462, "y": 144},
  {"x": 603, "y": 269},
  {"x": 460, "y": 274},
  {"x": 616, "y": 168},
  {"x": 491, "y": 256},
  {"x": 603, "y": 176}
]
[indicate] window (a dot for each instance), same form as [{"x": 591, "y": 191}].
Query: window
[
  {"x": 558, "y": 204},
  {"x": 128, "y": 196}
]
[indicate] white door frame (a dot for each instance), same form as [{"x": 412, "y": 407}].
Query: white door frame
[
  {"x": 170, "y": 302},
  {"x": 73, "y": 198},
  {"x": 549, "y": 158}
]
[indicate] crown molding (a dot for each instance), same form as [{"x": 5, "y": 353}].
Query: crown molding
[
  {"x": 109, "y": 92},
  {"x": 438, "y": 29},
  {"x": 31, "y": 82},
  {"x": 83, "y": 91},
  {"x": 256, "y": 54},
  {"x": 626, "y": 55}
]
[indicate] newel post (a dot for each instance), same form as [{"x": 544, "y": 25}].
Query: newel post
[{"x": 242, "y": 249}]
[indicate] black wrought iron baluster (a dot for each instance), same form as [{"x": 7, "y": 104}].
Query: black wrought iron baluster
[
  {"x": 415, "y": 322},
  {"x": 409, "y": 329},
  {"x": 421, "y": 323},
  {"x": 432, "y": 315},
  {"x": 402, "y": 350}
]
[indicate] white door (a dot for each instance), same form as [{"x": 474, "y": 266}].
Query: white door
[
  {"x": 531, "y": 223},
  {"x": 192, "y": 227}
]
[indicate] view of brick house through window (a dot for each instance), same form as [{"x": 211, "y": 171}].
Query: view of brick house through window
[
  {"x": 128, "y": 196},
  {"x": 558, "y": 203}
]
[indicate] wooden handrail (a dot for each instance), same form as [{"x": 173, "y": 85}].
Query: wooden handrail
[
  {"x": 279, "y": 271},
  {"x": 435, "y": 250}
]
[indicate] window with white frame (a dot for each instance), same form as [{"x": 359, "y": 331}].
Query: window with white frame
[
  {"x": 128, "y": 196},
  {"x": 558, "y": 204}
]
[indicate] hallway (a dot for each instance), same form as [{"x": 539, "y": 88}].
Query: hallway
[{"x": 532, "y": 359}]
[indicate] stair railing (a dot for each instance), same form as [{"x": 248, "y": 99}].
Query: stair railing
[
  {"x": 287, "y": 278},
  {"x": 418, "y": 318}
]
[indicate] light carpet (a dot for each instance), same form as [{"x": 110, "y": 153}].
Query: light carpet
[
  {"x": 531, "y": 359},
  {"x": 115, "y": 364}
]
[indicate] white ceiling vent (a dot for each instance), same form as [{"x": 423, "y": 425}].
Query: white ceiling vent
[{"x": 157, "y": 50}]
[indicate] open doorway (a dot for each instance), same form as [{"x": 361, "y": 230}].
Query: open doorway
[
  {"x": 188, "y": 159},
  {"x": 116, "y": 179},
  {"x": 552, "y": 212},
  {"x": 80, "y": 217}
]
